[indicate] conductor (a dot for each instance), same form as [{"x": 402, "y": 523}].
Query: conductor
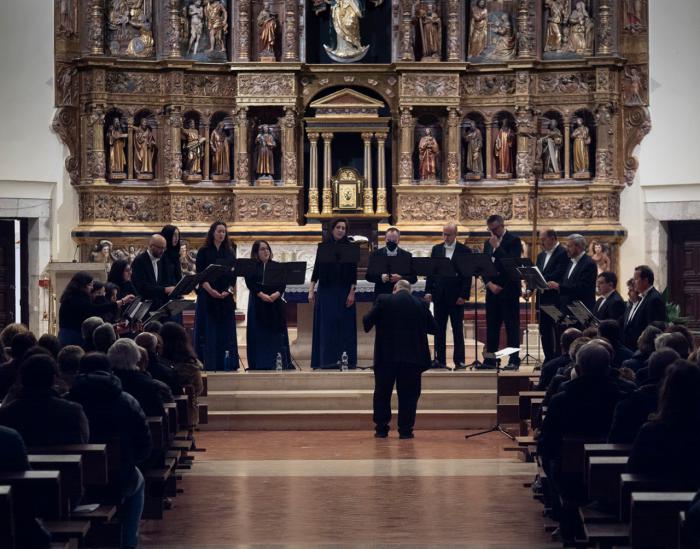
[{"x": 401, "y": 354}]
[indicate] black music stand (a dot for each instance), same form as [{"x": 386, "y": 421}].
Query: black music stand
[
  {"x": 583, "y": 314},
  {"x": 387, "y": 264},
  {"x": 137, "y": 310},
  {"x": 559, "y": 317},
  {"x": 172, "y": 308},
  {"x": 475, "y": 265}
]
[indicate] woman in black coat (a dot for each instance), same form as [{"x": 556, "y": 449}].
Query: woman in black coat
[
  {"x": 171, "y": 256},
  {"x": 266, "y": 336},
  {"x": 120, "y": 274},
  {"x": 76, "y": 306}
]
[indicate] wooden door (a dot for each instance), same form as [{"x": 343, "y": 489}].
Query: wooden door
[
  {"x": 684, "y": 268},
  {"x": 7, "y": 272}
]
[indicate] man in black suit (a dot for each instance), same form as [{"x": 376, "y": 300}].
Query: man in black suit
[
  {"x": 384, "y": 283},
  {"x": 610, "y": 306},
  {"x": 650, "y": 306},
  {"x": 553, "y": 263},
  {"x": 401, "y": 354},
  {"x": 578, "y": 283},
  {"x": 502, "y": 293},
  {"x": 449, "y": 294},
  {"x": 148, "y": 273}
]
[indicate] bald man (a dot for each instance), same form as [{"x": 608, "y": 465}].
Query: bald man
[{"x": 148, "y": 273}]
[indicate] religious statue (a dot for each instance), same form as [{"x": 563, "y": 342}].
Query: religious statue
[
  {"x": 634, "y": 15},
  {"x": 217, "y": 24},
  {"x": 556, "y": 19},
  {"x": 550, "y": 145},
  {"x": 582, "y": 139},
  {"x": 265, "y": 144},
  {"x": 505, "y": 43},
  {"x": 117, "y": 146},
  {"x": 118, "y": 18},
  {"x": 599, "y": 254},
  {"x": 196, "y": 14},
  {"x": 580, "y": 30},
  {"x": 428, "y": 151},
  {"x": 345, "y": 46},
  {"x": 102, "y": 252},
  {"x": 219, "y": 144},
  {"x": 475, "y": 143},
  {"x": 503, "y": 150},
  {"x": 633, "y": 87},
  {"x": 144, "y": 151},
  {"x": 430, "y": 32},
  {"x": 142, "y": 45},
  {"x": 194, "y": 150},
  {"x": 478, "y": 28},
  {"x": 267, "y": 23}
]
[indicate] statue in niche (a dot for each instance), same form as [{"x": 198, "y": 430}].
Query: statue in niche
[
  {"x": 142, "y": 45},
  {"x": 66, "y": 18},
  {"x": 475, "y": 144},
  {"x": 217, "y": 25},
  {"x": 219, "y": 144},
  {"x": 346, "y": 45},
  {"x": 265, "y": 144},
  {"x": 550, "y": 145},
  {"x": 267, "y": 23},
  {"x": 430, "y": 31},
  {"x": 196, "y": 15},
  {"x": 116, "y": 138},
  {"x": 505, "y": 43},
  {"x": 478, "y": 28},
  {"x": 130, "y": 21},
  {"x": 555, "y": 25},
  {"x": 599, "y": 253},
  {"x": 634, "y": 15},
  {"x": 428, "y": 150},
  {"x": 503, "y": 150},
  {"x": 119, "y": 18},
  {"x": 580, "y": 30},
  {"x": 144, "y": 150},
  {"x": 633, "y": 88},
  {"x": 582, "y": 140},
  {"x": 194, "y": 150},
  {"x": 102, "y": 252}
]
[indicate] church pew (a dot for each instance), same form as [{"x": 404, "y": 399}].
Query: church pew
[
  {"x": 603, "y": 478},
  {"x": 71, "y": 469},
  {"x": 37, "y": 492},
  {"x": 73, "y": 532},
  {"x": 524, "y": 400},
  {"x": 631, "y": 483},
  {"x": 94, "y": 460},
  {"x": 183, "y": 412},
  {"x": 155, "y": 425},
  {"x": 7, "y": 526},
  {"x": 171, "y": 413},
  {"x": 203, "y": 413},
  {"x": 655, "y": 518}
]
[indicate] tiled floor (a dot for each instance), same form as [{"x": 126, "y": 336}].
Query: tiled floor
[{"x": 346, "y": 489}]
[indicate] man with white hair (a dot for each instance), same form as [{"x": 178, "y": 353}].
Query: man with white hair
[
  {"x": 124, "y": 357},
  {"x": 87, "y": 328},
  {"x": 578, "y": 283},
  {"x": 148, "y": 273}
]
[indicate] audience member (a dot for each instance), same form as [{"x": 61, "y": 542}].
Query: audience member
[
  {"x": 610, "y": 330},
  {"x": 113, "y": 413},
  {"x": 38, "y": 413},
  {"x": 124, "y": 357},
  {"x": 159, "y": 369},
  {"x": 668, "y": 446},
  {"x": 6, "y": 336},
  {"x": 68, "y": 364},
  {"x": 153, "y": 327},
  {"x": 633, "y": 412},
  {"x": 564, "y": 374},
  {"x": 549, "y": 369},
  {"x": 50, "y": 343},
  {"x": 684, "y": 331},
  {"x": 103, "y": 337},
  {"x": 591, "y": 332},
  {"x": 19, "y": 345},
  {"x": 645, "y": 346},
  {"x": 87, "y": 328},
  {"x": 675, "y": 341}
]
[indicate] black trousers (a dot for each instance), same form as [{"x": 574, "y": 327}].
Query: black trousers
[
  {"x": 549, "y": 338},
  {"x": 503, "y": 310},
  {"x": 455, "y": 313},
  {"x": 407, "y": 378}
]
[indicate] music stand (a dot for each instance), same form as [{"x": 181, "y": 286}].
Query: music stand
[
  {"x": 186, "y": 285},
  {"x": 329, "y": 252},
  {"x": 137, "y": 310},
  {"x": 497, "y": 356},
  {"x": 172, "y": 308},
  {"x": 385, "y": 264},
  {"x": 583, "y": 314},
  {"x": 475, "y": 265},
  {"x": 558, "y": 316}
]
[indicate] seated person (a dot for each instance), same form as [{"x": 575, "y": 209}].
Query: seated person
[
  {"x": 610, "y": 330},
  {"x": 50, "y": 343},
  {"x": 675, "y": 341},
  {"x": 68, "y": 364},
  {"x": 103, "y": 337},
  {"x": 20, "y": 344},
  {"x": 667, "y": 447},
  {"x": 645, "y": 346},
  {"x": 87, "y": 328},
  {"x": 633, "y": 412},
  {"x": 550, "y": 368},
  {"x": 7, "y": 335},
  {"x": 159, "y": 369},
  {"x": 38, "y": 413}
]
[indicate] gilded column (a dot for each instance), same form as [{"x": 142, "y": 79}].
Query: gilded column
[
  {"x": 291, "y": 33},
  {"x": 407, "y": 53},
  {"x": 567, "y": 150},
  {"x": 606, "y": 38},
  {"x": 96, "y": 158},
  {"x": 173, "y": 154},
  {"x": 313, "y": 173},
  {"x": 204, "y": 132},
  {"x": 604, "y": 134},
  {"x": 289, "y": 148},
  {"x": 452, "y": 146},
  {"x": 243, "y": 30},
  {"x": 526, "y": 30},
  {"x": 381, "y": 174},
  {"x": 489, "y": 150},
  {"x": 327, "y": 205},
  {"x": 242, "y": 158},
  {"x": 368, "y": 195},
  {"x": 525, "y": 122},
  {"x": 407, "y": 124},
  {"x": 130, "y": 146},
  {"x": 173, "y": 36},
  {"x": 95, "y": 43},
  {"x": 453, "y": 38}
]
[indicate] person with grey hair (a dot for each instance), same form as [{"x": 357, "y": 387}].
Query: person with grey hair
[
  {"x": 124, "y": 357},
  {"x": 103, "y": 337},
  {"x": 578, "y": 283},
  {"x": 157, "y": 367},
  {"x": 87, "y": 328}
]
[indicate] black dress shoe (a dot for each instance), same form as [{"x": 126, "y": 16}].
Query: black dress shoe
[
  {"x": 436, "y": 364},
  {"x": 404, "y": 436},
  {"x": 511, "y": 367},
  {"x": 381, "y": 434},
  {"x": 460, "y": 366},
  {"x": 485, "y": 366}
]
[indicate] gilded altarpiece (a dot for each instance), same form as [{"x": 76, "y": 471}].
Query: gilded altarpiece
[{"x": 189, "y": 111}]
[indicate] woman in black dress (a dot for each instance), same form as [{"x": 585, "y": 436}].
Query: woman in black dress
[
  {"x": 215, "y": 321},
  {"x": 171, "y": 256},
  {"x": 266, "y": 336},
  {"x": 120, "y": 274},
  {"x": 76, "y": 306}
]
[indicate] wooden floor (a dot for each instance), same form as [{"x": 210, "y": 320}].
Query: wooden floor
[{"x": 348, "y": 489}]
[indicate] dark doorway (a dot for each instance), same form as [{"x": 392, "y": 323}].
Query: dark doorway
[
  {"x": 684, "y": 268},
  {"x": 7, "y": 272}
]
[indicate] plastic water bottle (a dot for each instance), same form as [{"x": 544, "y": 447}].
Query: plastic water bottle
[
  {"x": 278, "y": 362},
  {"x": 344, "y": 362}
]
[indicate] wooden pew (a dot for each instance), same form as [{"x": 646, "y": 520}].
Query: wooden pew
[
  {"x": 525, "y": 399},
  {"x": 183, "y": 412},
  {"x": 171, "y": 414},
  {"x": 37, "y": 492},
  {"x": 155, "y": 425},
  {"x": 94, "y": 459},
  {"x": 604, "y": 478},
  {"x": 655, "y": 518},
  {"x": 7, "y": 521},
  {"x": 71, "y": 468}
]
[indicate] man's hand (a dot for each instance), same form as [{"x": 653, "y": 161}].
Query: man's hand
[
  {"x": 461, "y": 301},
  {"x": 169, "y": 290},
  {"x": 494, "y": 241},
  {"x": 225, "y": 294},
  {"x": 395, "y": 278},
  {"x": 427, "y": 298},
  {"x": 495, "y": 288},
  {"x": 385, "y": 278},
  {"x": 128, "y": 299},
  {"x": 350, "y": 301},
  {"x": 553, "y": 285},
  {"x": 312, "y": 297},
  {"x": 214, "y": 293}
]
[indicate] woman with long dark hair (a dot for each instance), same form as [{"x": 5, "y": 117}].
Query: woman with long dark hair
[
  {"x": 332, "y": 294},
  {"x": 120, "y": 274},
  {"x": 215, "y": 321},
  {"x": 266, "y": 336},
  {"x": 171, "y": 256},
  {"x": 76, "y": 306}
]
